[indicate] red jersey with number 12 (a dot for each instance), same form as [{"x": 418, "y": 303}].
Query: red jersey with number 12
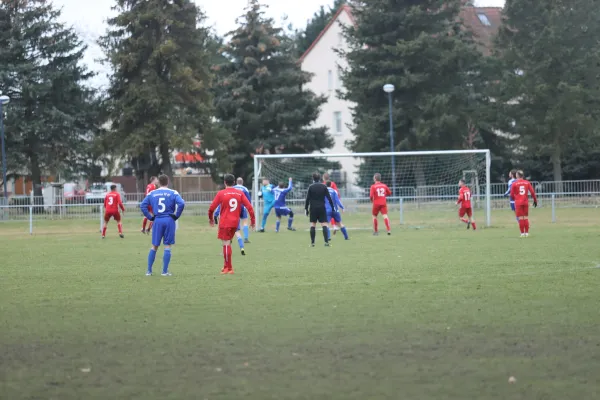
[
  {"x": 520, "y": 190},
  {"x": 379, "y": 193},
  {"x": 464, "y": 197},
  {"x": 231, "y": 201},
  {"x": 112, "y": 202}
]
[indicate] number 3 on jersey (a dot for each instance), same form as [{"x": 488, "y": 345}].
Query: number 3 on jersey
[
  {"x": 381, "y": 192},
  {"x": 110, "y": 201},
  {"x": 233, "y": 205}
]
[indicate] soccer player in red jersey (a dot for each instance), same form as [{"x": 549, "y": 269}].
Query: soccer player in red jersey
[
  {"x": 334, "y": 187},
  {"x": 112, "y": 203},
  {"x": 519, "y": 191},
  {"x": 464, "y": 199},
  {"x": 231, "y": 201},
  {"x": 378, "y": 195},
  {"x": 151, "y": 186}
]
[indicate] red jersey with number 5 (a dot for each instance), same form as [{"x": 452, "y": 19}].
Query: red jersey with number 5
[
  {"x": 231, "y": 201},
  {"x": 112, "y": 202},
  {"x": 464, "y": 197},
  {"x": 379, "y": 193},
  {"x": 519, "y": 192}
]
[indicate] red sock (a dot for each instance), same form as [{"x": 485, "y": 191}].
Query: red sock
[
  {"x": 375, "y": 223},
  {"x": 104, "y": 231},
  {"x": 150, "y": 225},
  {"x": 466, "y": 221},
  {"x": 227, "y": 251},
  {"x": 120, "y": 226},
  {"x": 144, "y": 222},
  {"x": 387, "y": 223},
  {"x": 526, "y": 226},
  {"x": 522, "y": 225},
  {"x": 473, "y": 225}
]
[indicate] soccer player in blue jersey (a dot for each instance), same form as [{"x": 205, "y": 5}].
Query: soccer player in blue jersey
[
  {"x": 279, "y": 204},
  {"x": 167, "y": 206},
  {"x": 244, "y": 213},
  {"x": 266, "y": 192},
  {"x": 334, "y": 214},
  {"x": 238, "y": 235},
  {"x": 512, "y": 177}
]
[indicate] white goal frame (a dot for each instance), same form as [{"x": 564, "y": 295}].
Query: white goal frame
[{"x": 488, "y": 162}]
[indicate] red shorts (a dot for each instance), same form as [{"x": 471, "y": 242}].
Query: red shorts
[
  {"x": 112, "y": 214},
  {"x": 379, "y": 209},
  {"x": 522, "y": 210},
  {"x": 226, "y": 233},
  {"x": 463, "y": 211}
]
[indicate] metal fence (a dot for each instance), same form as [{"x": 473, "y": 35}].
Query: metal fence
[{"x": 574, "y": 194}]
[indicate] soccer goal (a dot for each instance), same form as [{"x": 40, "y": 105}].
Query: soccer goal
[{"x": 424, "y": 183}]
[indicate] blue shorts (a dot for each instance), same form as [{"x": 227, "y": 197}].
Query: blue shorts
[
  {"x": 163, "y": 230},
  {"x": 244, "y": 213},
  {"x": 335, "y": 215},
  {"x": 512, "y": 205},
  {"x": 268, "y": 208},
  {"x": 282, "y": 211}
]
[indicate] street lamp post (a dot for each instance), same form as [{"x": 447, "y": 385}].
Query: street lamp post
[
  {"x": 3, "y": 100},
  {"x": 389, "y": 89}
]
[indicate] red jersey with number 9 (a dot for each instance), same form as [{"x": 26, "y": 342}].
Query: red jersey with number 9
[
  {"x": 464, "y": 197},
  {"x": 379, "y": 193},
  {"x": 231, "y": 201},
  {"x": 519, "y": 192}
]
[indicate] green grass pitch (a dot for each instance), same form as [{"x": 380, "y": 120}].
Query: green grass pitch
[{"x": 440, "y": 313}]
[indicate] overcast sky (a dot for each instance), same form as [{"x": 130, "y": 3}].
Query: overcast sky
[{"x": 89, "y": 16}]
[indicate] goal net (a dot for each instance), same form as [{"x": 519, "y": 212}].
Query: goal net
[{"x": 424, "y": 184}]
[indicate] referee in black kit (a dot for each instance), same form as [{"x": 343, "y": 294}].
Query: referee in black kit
[{"x": 315, "y": 208}]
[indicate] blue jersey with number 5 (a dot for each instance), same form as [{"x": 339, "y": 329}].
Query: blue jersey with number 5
[{"x": 164, "y": 202}]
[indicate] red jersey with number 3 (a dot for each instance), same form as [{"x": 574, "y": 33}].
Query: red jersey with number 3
[
  {"x": 150, "y": 188},
  {"x": 379, "y": 194},
  {"x": 112, "y": 202},
  {"x": 520, "y": 190},
  {"x": 464, "y": 197},
  {"x": 231, "y": 201}
]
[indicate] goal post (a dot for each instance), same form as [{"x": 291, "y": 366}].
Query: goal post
[{"x": 423, "y": 194}]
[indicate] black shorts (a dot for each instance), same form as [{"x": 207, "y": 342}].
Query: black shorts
[{"x": 318, "y": 215}]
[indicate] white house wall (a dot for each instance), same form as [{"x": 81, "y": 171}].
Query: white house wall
[{"x": 322, "y": 61}]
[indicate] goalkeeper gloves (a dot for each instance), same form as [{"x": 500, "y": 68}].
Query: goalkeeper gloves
[
  {"x": 175, "y": 217},
  {"x": 151, "y": 218},
  {"x": 535, "y": 204}
]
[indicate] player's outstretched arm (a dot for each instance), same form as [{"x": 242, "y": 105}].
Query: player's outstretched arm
[
  {"x": 121, "y": 206},
  {"x": 307, "y": 201},
  {"x": 533, "y": 195}
]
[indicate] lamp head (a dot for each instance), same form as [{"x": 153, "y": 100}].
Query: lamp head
[
  {"x": 4, "y": 99},
  {"x": 388, "y": 88}
]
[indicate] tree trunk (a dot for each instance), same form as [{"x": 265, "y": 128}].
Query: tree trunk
[
  {"x": 557, "y": 167},
  {"x": 165, "y": 155}
]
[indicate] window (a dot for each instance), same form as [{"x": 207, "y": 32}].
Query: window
[
  {"x": 330, "y": 80},
  {"x": 338, "y": 78},
  {"x": 340, "y": 38},
  {"x": 337, "y": 123},
  {"x": 484, "y": 19}
]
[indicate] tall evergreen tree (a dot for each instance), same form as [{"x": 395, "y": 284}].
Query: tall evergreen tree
[
  {"x": 159, "y": 93},
  {"x": 262, "y": 102},
  {"x": 550, "y": 83},
  {"x": 422, "y": 49},
  {"x": 50, "y": 116}
]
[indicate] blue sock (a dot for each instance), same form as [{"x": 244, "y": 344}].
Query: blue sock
[
  {"x": 290, "y": 222},
  {"x": 277, "y": 225},
  {"x": 166, "y": 260},
  {"x": 344, "y": 232},
  {"x": 246, "y": 232},
  {"x": 151, "y": 257},
  {"x": 264, "y": 220},
  {"x": 328, "y": 234},
  {"x": 240, "y": 242}
]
